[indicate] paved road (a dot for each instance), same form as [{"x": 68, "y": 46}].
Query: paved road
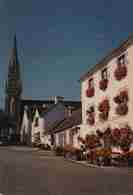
[{"x": 30, "y": 173}]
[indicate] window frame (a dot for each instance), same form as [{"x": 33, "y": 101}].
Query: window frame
[
  {"x": 122, "y": 60},
  {"x": 104, "y": 73},
  {"x": 91, "y": 83}
]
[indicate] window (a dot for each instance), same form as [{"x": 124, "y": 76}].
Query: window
[
  {"x": 91, "y": 83},
  {"x": 36, "y": 122},
  {"x": 121, "y": 61},
  {"x": 64, "y": 138},
  {"x": 70, "y": 137},
  {"x": 61, "y": 139},
  {"x": 104, "y": 74}
]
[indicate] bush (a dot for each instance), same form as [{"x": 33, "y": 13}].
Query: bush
[
  {"x": 45, "y": 147},
  {"x": 72, "y": 152}
]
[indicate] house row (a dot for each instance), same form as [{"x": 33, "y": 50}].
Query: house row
[
  {"x": 106, "y": 101},
  {"x": 38, "y": 119}
]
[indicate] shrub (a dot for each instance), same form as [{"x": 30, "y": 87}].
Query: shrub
[{"x": 72, "y": 152}]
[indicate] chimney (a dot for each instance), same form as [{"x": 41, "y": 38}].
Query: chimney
[{"x": 58, "y": 99}]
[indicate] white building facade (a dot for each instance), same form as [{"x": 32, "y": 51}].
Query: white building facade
[{"x": 107, "y": 92}]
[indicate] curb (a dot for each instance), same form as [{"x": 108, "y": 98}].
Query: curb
[{"x": 87, "y": 164}]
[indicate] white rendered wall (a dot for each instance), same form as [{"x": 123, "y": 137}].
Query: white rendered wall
[{"x": 112, "y": 90}]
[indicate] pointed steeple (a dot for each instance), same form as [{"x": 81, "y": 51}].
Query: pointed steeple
[
  {"x": 14, "y": 83},
  {"x": 14, "y": 62}
]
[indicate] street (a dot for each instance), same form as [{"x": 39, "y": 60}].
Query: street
[{"x": 25, "y": 172}]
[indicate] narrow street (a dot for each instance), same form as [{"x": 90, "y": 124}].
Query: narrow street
[{"x": 26, "y": 172}]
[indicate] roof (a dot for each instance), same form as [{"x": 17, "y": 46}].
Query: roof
[
  {"x": 38, "y": 104},
  {"x": 69, "y": 122},
  {"x": 51, "y": 107},
  {"x": 115, "y": 52}
]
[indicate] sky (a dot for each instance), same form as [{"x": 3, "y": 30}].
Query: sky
[{"x": 59, "y": 40}]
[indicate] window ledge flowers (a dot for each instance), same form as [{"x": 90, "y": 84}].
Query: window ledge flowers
[
  {"x": 121, "y": 101},
  {"x": 103, "y": 84},
  {"x": 90, "y": 92},
  {"x": 120, "y": 72},
  {"x": 104, "y": 109}
]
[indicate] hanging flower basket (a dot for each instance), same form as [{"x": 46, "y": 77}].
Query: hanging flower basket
[
  {"x": 90, "y": 92},
  {"x": 122, "y": 109},
  {"x": 103, "y": 84},
  {"x": 120, "y": 73}
]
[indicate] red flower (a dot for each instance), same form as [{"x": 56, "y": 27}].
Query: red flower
[
  {"x": 120, "y": 72},
  {"x": 103, "y": 84},
  {"x": 116, "y": 132},
  {"x": 122, "y": 97},
  {"x": 104, "y": 106},
  {"x": 90, "y": 92},
  {"x": 117, "y": 99}
]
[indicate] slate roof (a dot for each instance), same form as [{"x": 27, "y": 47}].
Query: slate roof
[
  {"x": 38, "y": 104},
  {"x": 69, "y": 122},
  {"x": 114, "y": 53}
]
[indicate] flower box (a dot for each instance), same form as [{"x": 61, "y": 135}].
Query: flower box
[
  {"x": 120, "y": 73},
  {"x": 103, "y": 84},
  {"x": 90, "y": 92}
]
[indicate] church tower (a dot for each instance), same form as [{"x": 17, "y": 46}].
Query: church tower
[{"x": 14, "y": 87}]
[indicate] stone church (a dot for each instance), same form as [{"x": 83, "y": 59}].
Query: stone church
[{"x": 15, "y": 104}]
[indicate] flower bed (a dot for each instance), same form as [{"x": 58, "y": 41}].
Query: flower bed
[{"x": 99, "y": 147}]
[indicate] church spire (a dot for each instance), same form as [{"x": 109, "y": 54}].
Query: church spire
[
  {"x": 14, "y": 62},
  {"x": 13, "y": 83}
]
